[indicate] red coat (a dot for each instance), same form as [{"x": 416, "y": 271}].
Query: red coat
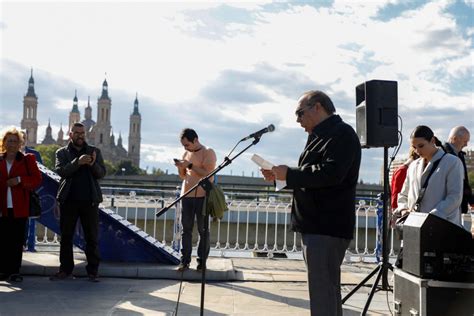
[
  {"x": 398, "y": 178},
  {"x": 21, "y": 192}
]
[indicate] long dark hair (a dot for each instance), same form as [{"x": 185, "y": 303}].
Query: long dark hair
[{"x": 423, "y": 131}]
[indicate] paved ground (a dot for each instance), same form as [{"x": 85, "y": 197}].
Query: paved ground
[{"x": 234, "y": 287}]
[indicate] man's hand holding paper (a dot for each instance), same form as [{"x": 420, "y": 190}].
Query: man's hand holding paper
[{"x": 272, "y": 173}]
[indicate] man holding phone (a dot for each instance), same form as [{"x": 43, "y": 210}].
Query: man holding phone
[
  {"x": 80, "y": 166},
  {"x": 197, "y": 162}
]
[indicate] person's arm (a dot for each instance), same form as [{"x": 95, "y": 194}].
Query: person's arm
[
  {"x": 454, "y": 190},
  {"x": 63, "y": 167},
  {"x": 33, "y": 179},
  {"x": 181, "y": 166},
  {"x": 402, "y": 198},
  {"x": 97, "y": 166},
  {"x": 398, "y": 178},
  {"x": 341, "y": 153}
]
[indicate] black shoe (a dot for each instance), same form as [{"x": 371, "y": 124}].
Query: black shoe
[
  {"x": 4, "y": 276},
  {"x": 15, "y": 278},
  {"x": 61, "y": 275},
  {"x": 200, "y": 266},
  {"x": 93, "y": 278},
  {"x": 183, "y": 267}
]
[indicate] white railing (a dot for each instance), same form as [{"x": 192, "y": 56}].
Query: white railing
[{"x": 248, "y": 228}]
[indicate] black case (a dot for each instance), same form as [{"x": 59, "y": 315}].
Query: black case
[{"x": 426, "y": 297}]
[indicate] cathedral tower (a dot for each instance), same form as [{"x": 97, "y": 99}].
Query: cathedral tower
[
  {"x": 48, "y": 138},
  {"x": 103, "y": 126},
  {"x": 134, "y": 135},
  {"x": 60, "y": 140},
  {"x": 74, "y": 115},
  {"x": 30, "y": 107}
]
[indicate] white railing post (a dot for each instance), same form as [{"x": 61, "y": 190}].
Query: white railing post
[{"x": 253, "y": 209}]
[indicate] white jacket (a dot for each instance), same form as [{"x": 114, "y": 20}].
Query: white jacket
[{"x": 443, "y": 194}]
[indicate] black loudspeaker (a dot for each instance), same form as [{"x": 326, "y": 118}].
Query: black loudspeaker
[
  {"x": 377, "y": 113},
  {"x": 435, "y": 248}
]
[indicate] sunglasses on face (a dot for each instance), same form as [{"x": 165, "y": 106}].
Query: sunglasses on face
[{"x": 299, "y": 113}]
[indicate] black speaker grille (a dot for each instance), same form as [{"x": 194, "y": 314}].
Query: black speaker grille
[{"x": 377, "y": 113}]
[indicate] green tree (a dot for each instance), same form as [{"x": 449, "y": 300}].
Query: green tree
[
  {"x": 157, "y": 171},
  {"x": 48, "y": 154},
  {"x": 125, "y": 167},
  {"x": 110, "y": 167}
]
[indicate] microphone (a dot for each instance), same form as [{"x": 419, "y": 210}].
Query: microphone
[{"x": 269, "y": 128}]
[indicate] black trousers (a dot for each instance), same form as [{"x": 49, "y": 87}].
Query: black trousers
[
  {"x": 192, "y": 208},
  {"x": 12, "y": 238},
  {"x": 88, "y": 213}
]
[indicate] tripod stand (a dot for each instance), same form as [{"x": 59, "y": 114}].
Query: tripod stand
[
  {"x": 206, "y": 184},
  {"x": 382, "y": 269}
]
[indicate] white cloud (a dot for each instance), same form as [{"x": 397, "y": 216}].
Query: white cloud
[{"x": 155, "y": 48}]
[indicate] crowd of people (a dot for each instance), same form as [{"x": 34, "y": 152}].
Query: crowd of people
[{"x": 433, "y": 180}]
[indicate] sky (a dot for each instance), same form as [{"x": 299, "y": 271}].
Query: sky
[{"x": 228, "y": 69}]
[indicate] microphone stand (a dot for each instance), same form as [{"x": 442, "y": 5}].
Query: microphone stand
[{"x": 205, "y": 183}]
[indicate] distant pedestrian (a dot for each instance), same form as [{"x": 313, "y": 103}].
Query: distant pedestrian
[
  {"x": 197, "y": 162},
  {"x": 19, "y": 175},
  {"x": 80, "y": 166}
]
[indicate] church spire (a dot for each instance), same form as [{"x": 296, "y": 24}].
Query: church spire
[
  {"x": 119, "y": 140},
  {"x": 75, "y": 108},
  {"x": 105, "y": 90},
  {"x": 135, "y": 105},
  {"x": 31, "y": 86}
]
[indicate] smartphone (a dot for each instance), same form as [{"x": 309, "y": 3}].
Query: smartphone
[{"x": 176, "y": 160}]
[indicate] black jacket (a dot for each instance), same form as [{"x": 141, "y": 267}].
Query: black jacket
[
  {"x": 467, "y": 197},
  {"x": 67, "y": 165},
  {"x": 324, "y": 184}
]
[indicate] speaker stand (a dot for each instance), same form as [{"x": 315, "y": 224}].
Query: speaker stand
[{"x": 382, "y": 268}]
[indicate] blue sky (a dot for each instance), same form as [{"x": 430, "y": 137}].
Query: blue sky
[{"x": 228, "y": 69}]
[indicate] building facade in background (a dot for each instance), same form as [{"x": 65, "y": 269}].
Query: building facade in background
[{"x": 98, "y": 133}]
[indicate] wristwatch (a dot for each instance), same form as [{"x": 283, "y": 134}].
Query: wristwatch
[{"x": 190, "y": 166}]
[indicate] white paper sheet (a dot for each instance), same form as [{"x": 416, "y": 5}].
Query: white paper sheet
[{"x": 267, "y": 165}]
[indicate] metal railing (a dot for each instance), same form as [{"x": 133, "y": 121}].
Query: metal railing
[
  {"x": 250, "y": 228},
  {"x": 259, "y": 226}
]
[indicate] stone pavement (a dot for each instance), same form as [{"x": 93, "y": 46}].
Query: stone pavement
[{"x": 236, "y": 286}]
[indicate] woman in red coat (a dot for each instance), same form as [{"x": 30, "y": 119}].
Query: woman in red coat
[{"x": 19, "y": 174}]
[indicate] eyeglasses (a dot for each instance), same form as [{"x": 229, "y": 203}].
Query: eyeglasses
[{"x": 299, "y": 113}]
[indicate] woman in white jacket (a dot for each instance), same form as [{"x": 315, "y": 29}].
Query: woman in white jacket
[{"x": 443, "y": 194}]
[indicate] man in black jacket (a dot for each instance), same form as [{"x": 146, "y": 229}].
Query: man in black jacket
[
  {"x": 457, "y": 140},
  {"x": 80, "y": 166},
  {"x": 324, "y": 187}
]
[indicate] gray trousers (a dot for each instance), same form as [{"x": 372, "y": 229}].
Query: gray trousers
[{"x": 323, "y": 256}]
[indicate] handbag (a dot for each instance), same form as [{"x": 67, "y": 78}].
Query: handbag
[
  {"x": 35, "y": 201},
  {"x": 401, "y": 221}
]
